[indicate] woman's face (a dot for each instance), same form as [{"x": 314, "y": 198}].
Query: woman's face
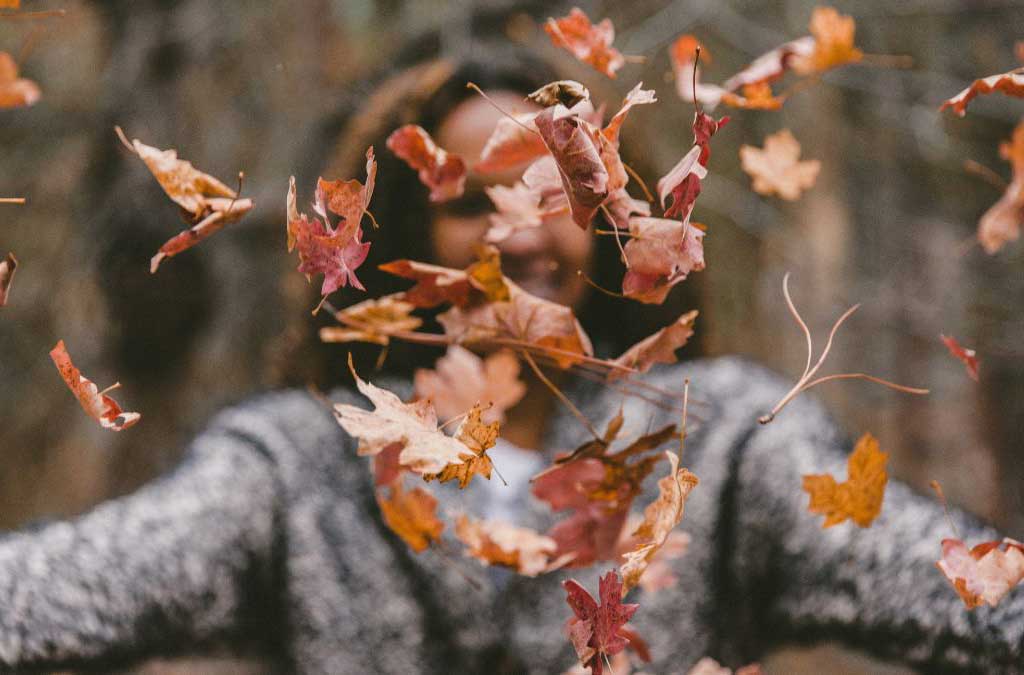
[{"x": 543, "y": 260}]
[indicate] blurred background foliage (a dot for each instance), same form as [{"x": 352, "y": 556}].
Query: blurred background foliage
[{"x": 260, "y": 87}]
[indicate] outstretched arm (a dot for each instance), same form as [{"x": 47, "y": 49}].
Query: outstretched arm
[
  {"x": 877, "y": 588},
  {"x": 181, "y": 561}
]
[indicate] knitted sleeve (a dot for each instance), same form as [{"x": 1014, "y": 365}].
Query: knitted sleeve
[
  {"x": 875, "y": 588},
  {"x": 185, "y": 559}
]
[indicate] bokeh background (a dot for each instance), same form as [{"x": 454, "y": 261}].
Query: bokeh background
[{"x": 261, "y": 87}]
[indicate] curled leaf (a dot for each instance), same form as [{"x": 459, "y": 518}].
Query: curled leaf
[
  {"x": 969, "y": 357},
  {"x": 7, "y": 268},
  {"x": 565, "y": 92},
  {"x": 373, "y": 321},
  {"x": 1002, "y": 222},
  {"x": 657, "y": 348},
  {"x": 661, "y": 253},
  {"x": 985, "y": 573},
  {"x": 859, "y": 497},
  {"x": 660, "y": 518},
  {"x": 443, "y": 173},
  {"x": 96, "y": 404},
  {"x": 1011, "y": 84}
]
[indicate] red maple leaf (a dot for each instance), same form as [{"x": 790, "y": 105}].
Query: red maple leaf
[{"x": 596, "y": 631}]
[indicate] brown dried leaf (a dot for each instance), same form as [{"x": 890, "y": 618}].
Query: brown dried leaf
[
  {"x": 590, "y": 43},
  {"x": 657, "y": 348},
  {"x": 496, "y": 543},
  {"x": 411, "y": 515},
  {"x": 96, "y": 404},
  {"x": 373, "y": 321},
  {"x": 443, "y": 173},
  {"x": 478, "y": 438}
]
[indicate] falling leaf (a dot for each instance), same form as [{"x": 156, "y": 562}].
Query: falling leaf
[
  {"x": 478, "y": 438},
  {"x": 497, "y": 543},
  {"x": 518, "y": 208},
  {"x": 322, "y": 250},
  {"x": 1001, "y": 223},
  {"x": 833, "y": 42},
  {"x": 576, "y": 146},
  {"x": 425, "y": 449},
  {"x": 460, "y": 379},
  {"x": 348, "y": 199},
  {"x": 599, "y": 489},
  {"x": 660, "y": 518},
  {"x": 595, "y": 630},
  {"x": 373, "y": 321},
  {"x": 590, "y": 43},
  {"x": 1011, "y": 84},
  {"x": 776, "y": 169},
  {"x": 481, "y": 282},
  {"x": 661, "y": 253},
  {"x": 658, "y": 348},
  {"x": 443, "y": 173},
  {"x": 15, "y": 92},
  {"x": 223, "y": 211},
  {"x": 660, "y": 574},
  {"x": 968, "y": 356},
  {"x": 636, "y": 96},
  {"x": 412, "y": 515},
  {"x": 96, "y": 404},
  {"x": 683, "y": 55},
  {"x": 7, "y": 268},
  {"x": 757, "y": 96},
  {"x": 985, "y": 573},
  {"x": 208, "y": 203},
  {"x": 859, "y": 498},
  {"x": 513, "y": 143},
  {"x": 525, "y": 318},
  {"x": 187, "y": 187},
  {"x": 565, "y": 92},
  {"x": 683, "y": 184}
]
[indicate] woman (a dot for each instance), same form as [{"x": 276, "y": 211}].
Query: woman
[{"x": 268, "y": 531}]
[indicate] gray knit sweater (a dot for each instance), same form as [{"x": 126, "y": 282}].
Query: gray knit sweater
[{"x": 268, "y": 531}]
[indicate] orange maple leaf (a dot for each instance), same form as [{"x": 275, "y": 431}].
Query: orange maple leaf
[
  {"x": 859, "y": 498},
  {"x": 411, "y": 515}
]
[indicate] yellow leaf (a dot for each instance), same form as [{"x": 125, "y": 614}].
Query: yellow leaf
[{"x": 859, "y": 498}]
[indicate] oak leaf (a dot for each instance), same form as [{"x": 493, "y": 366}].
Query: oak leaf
[
  {"x": 412, "y": 515},
  {"x": 859, "y": 498},
  {"x": 442, "y": 172},
  {"x": 596, "y": 629},
  {"x": 15, "y": 92},
  {"x": 497, "y": 543},
  {"x": 657, "y": 348},
  {"x": 660, "y": 518},
  {"x": 777, "y": 169},
  {"x": 7, "y": 268},
  {"x": 590, "y": 43},
  {"x": 969, "y": 357},
  {"x": 96, "y": 404},
  {"x": 460, "y": 379},
  {"x": 1011, "y": 84},
  {"x": 985, "y": 573}
]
